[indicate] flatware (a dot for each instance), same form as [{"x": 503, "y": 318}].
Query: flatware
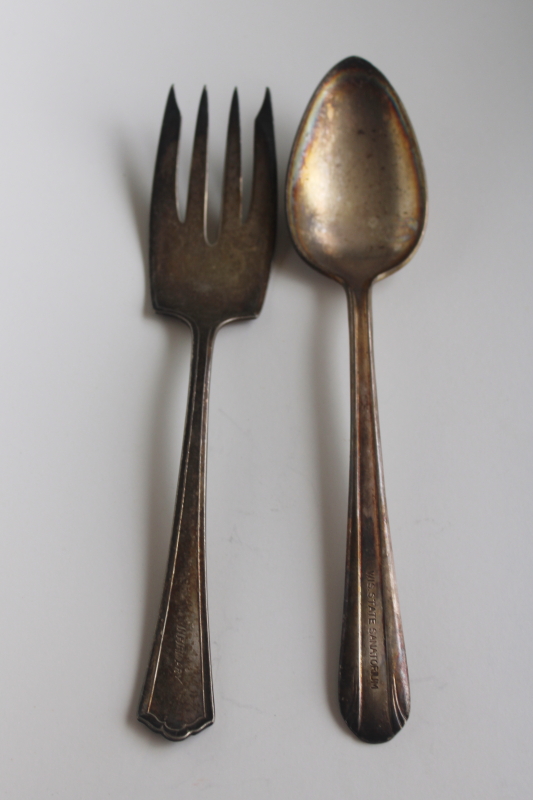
[
  {"x": 205, "y": 285},
  {"x": 356, "y": 206}
]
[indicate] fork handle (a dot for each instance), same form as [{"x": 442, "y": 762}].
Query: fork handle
[
  {"x": 373, "y": 679},
  {"x": 177, "y": 699}
]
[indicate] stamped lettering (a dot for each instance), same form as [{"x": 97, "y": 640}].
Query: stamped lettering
[
  {"x": 372, "y": 630},
  {"x": 180, "y": 648}
]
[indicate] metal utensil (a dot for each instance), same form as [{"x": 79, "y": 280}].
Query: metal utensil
[
  {"x": 206, "y": 286},
  {"x": 356, "y": 200}
]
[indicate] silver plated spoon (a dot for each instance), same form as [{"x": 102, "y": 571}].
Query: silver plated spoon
[{"x": 356, "y": 208}]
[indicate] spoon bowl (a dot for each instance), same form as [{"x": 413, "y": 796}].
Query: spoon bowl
[
  {"x": 356, "y": 194},
  {"x": 356, "y": 209}
]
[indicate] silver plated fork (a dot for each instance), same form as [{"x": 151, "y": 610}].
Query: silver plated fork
[{"x": 206, "y": 286}]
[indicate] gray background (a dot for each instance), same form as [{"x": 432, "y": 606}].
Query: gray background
[{"x": 93, "y": 401}]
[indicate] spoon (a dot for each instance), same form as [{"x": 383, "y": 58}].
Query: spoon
[{"x": 356, "y": 207}]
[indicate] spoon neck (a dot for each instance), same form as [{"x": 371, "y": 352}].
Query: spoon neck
[
  {"x": 360, "y": 321},
  {"x": 358, "y": 296},
  {"x": 363, "y": 390}
]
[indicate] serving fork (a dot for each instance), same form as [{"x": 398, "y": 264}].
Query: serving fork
[{"x": 205, "y": 285}]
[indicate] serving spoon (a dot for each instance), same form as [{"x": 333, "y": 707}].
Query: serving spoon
[{"x": 356, "y": 208}]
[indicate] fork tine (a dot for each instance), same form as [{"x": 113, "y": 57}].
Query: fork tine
[
  {"x": 232, "y": 195},
  {"x": 197, "y": 198},
  {"x": 164, "y": 208},
  {"x": 264, "y": 187}
]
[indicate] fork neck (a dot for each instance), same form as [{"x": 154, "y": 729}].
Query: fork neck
[{"x": 203, "y": 337}]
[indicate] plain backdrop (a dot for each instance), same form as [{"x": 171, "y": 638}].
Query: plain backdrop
[{"x": 93, "y": 400}]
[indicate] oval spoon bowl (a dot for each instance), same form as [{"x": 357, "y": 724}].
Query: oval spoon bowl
[{"x": 356, "y": 193}]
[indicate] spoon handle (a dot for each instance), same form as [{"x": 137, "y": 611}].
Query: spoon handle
[
  {"x": 373, "y": 679},
  {"x": 177, "y": 698}
]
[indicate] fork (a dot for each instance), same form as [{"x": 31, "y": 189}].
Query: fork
[{"x": 205, "y": 285}]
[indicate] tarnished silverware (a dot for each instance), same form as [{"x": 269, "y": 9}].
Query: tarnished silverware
[
  {"x": 206, "y": 286},
  {"x": 356, "y": 206}
]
